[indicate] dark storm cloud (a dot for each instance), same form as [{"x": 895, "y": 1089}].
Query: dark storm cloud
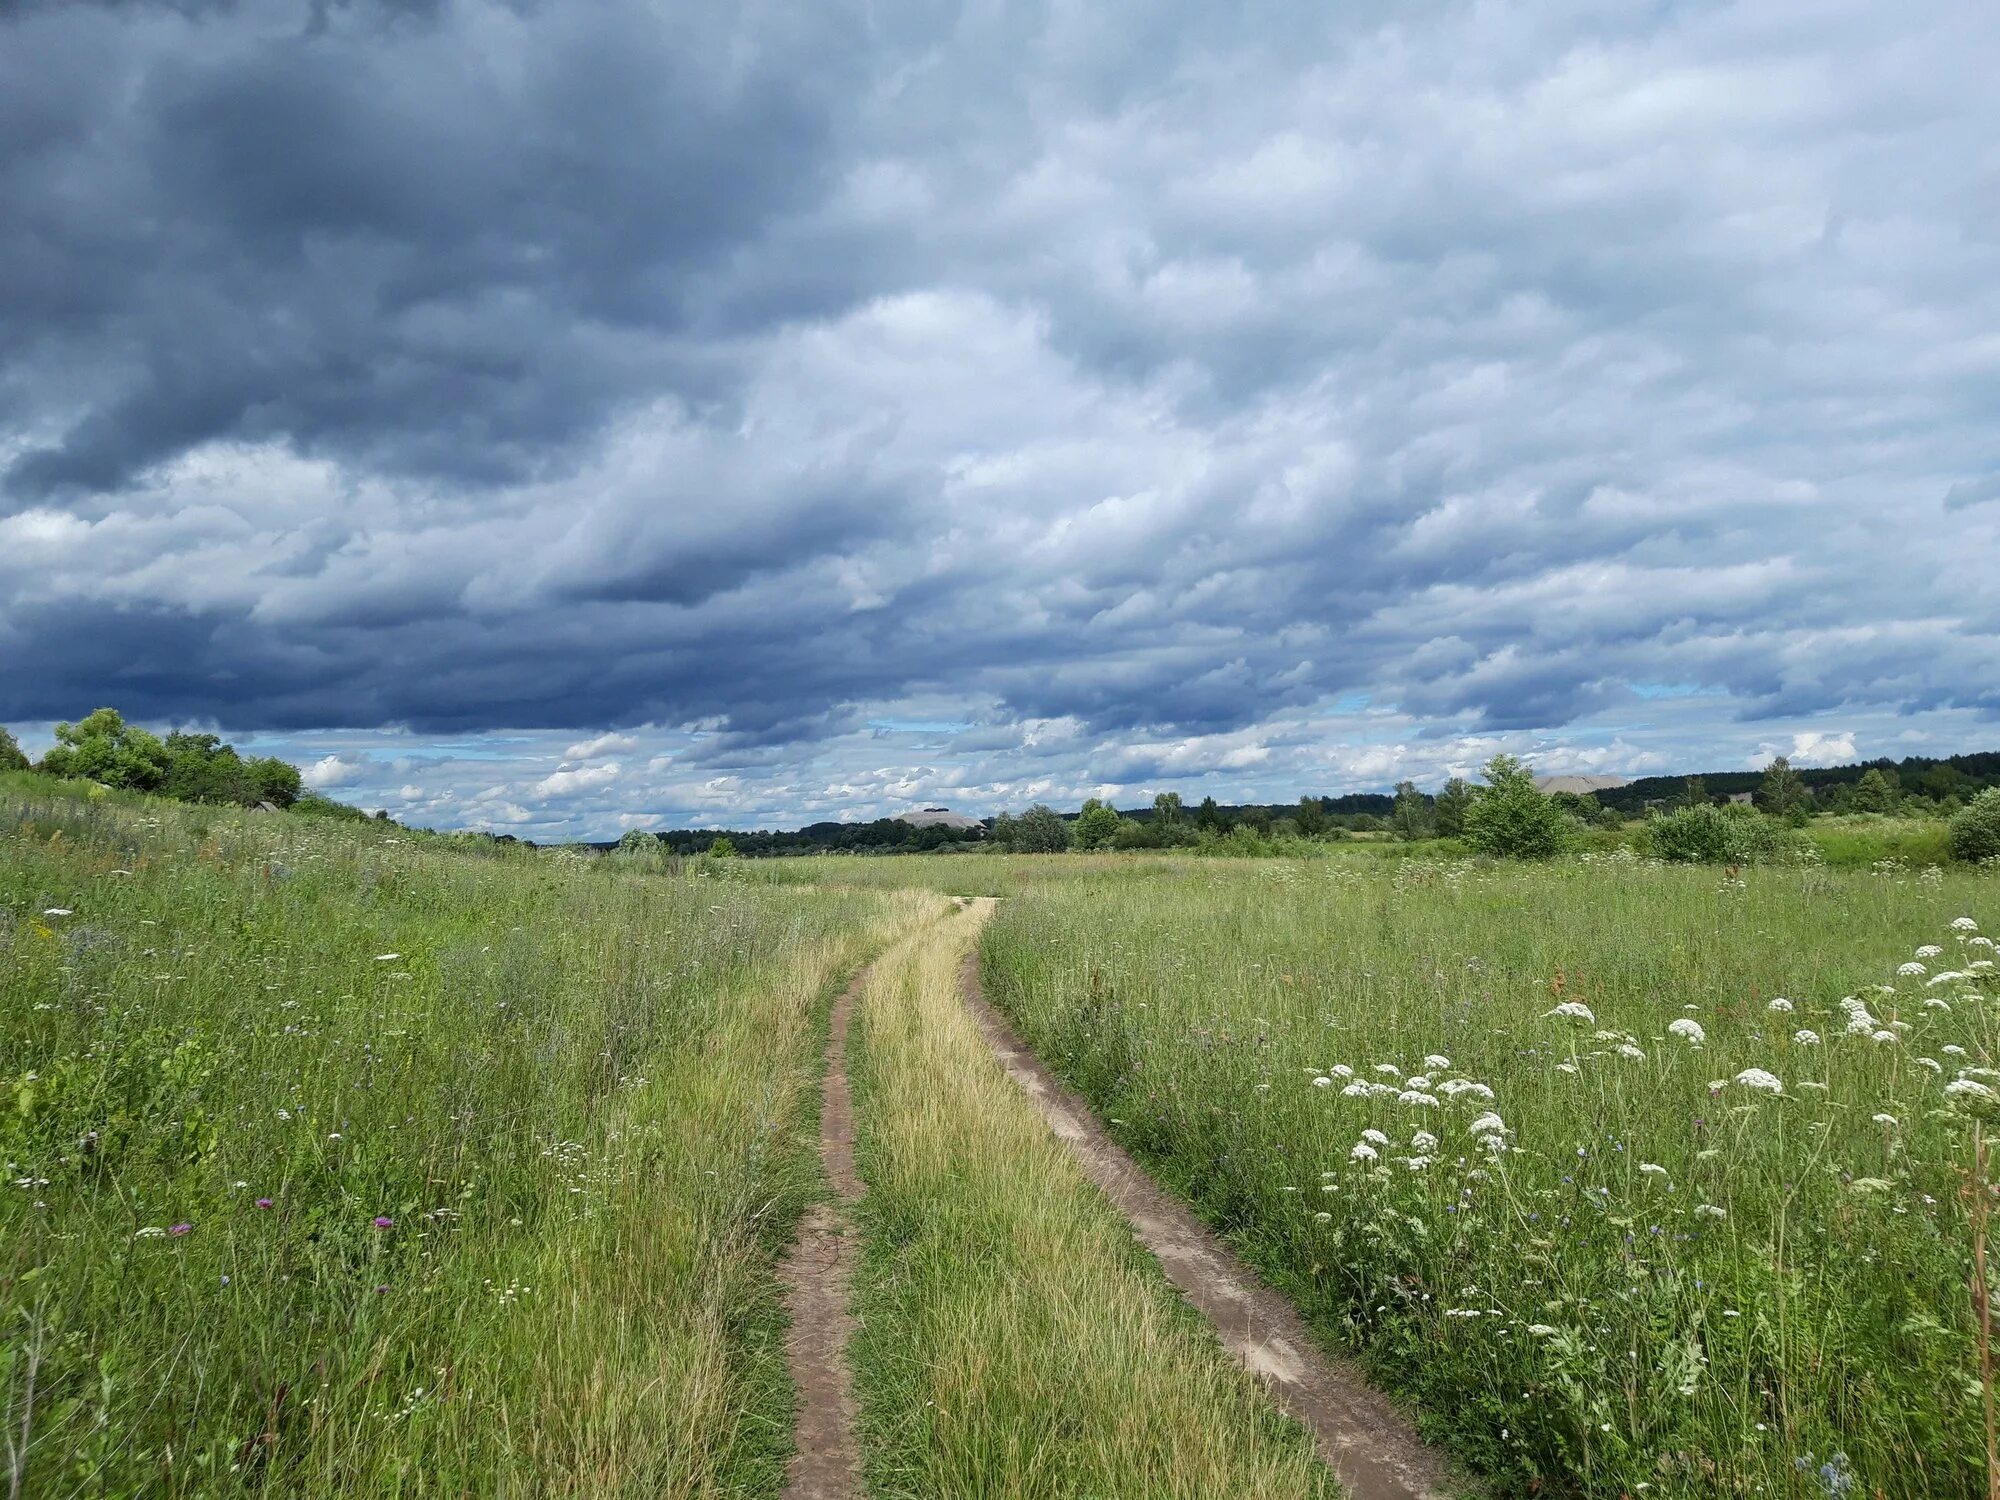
[{"x": 1128, "y": 387}]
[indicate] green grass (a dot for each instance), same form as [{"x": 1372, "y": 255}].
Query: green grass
[
  {"x": 345, "y": 1162},
  {"x": 1789, "y": 1285},
  {"x": 1014, "y": 1341}
]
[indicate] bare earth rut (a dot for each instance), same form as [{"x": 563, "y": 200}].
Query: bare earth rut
[
  {"x": 1375, "y": 1453},
  {"x": 818, "y": 1274}
]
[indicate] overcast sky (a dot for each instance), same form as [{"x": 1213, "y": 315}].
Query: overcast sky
[{"x": 567, "y": 417}]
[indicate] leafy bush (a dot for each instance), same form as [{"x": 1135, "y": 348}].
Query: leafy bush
[
  {"x": 11, "y": 758},
  {"x": 1975, "y": 829},
  {"x": 1709, "y": 835},
  {"x": 1511, "y": 819}
]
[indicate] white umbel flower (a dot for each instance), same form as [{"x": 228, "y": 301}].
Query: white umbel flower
[
  {"x": 1574, "y": 1010},
  {"x": 1757, "y": 1078},
  {"x": 1806, "y": 1038},
  {"x": 1688, "y": 1028},
  {"x": 1780, "y": 1006}
]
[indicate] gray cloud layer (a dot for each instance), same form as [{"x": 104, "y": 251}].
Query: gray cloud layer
[{"x": 1174, "y": 376}]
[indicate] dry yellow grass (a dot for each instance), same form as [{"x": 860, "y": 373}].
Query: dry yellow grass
[{"x": 1015, "y": 1341}]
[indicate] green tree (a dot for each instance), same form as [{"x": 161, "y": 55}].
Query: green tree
[
  {"x": 1783, "y": 793},
  {"x": 1411, "y": 819},
  {"x": 1167, "y": 809},
  {"x": 274, "y": 781},
  {"x": 1310, "y": 819},
  {"x": 1975, "y": 828},
  {"x": 200, "y": 768},
  {"x": 1874, "y": 792},
  {"x": 11, "y": 758},
  {"x": 1510, "y": 818},
  {"x": 103, "y": 747},
  {"x": 1208, "y": 816},
  {"x": 1096, "y": 825},
  {"x": 637, "y": 841},
  {"x": 1256, "y": 819},
  {"x": 1451, "y": 807},
  {"x": 1041, "y": 830},
  {"x": 722, "y": 847},
  {"x": 1694, "y": 792}
]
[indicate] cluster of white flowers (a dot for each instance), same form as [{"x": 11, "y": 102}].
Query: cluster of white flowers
[
  {"x": 1757, "y": 1078},
  {"x": 1780, "y": 1006},
  {"x": 1859, "y": 1021},
  {"x": 1806, "y": 1037},
  {"x": 1574, "y": 1010},
  {"x": 1689, "y": 1029}
]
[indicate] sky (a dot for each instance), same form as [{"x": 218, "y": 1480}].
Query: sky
[{"x": 563, "y": 418}]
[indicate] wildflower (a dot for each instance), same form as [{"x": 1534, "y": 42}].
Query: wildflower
[
  {"x": 1629, "y": 1049},
  {"x": 1780, "y": 1006},
  {"x": 148, "y": 1232},
  {"x": 1757, "y": 1078},
  {"x": 1362, "y": 1152},
  {"x": 1952, "y": 1049},
  {"x": 1652, "y": 1169},
  {"x": 57, "y": 911},
  {"x": 1574, "y": 1010},
  {"x": 1356, "y": 1091},
  {"x": 1322, "y": 1218},
  {"x": 1341, "y": 1070},
  {"x": 1932, "y": 1063},
  {"x": 1710, "y": 1211},
  {"x": 1964, "y": 924},
  {"x": 1423, "y": 1140},
  {"x": 383, "y": 1221},
  {"x": 1889, "y": 1120},
  {"x": 1412, "y": 1097},
  {"x": 263, "y": 1202},
  {"x": 1322, "y": 1082},
  {"x": 1930, "y": 950},
  {"x": 1567, "y": 1067},
  {"x": 1688, "y": 1028},
  {"x": 179, "y": 1229},
  {"x": 1885, "y": 1038},
  {"x": 1806, "y": 1038},
  {"x": 1389, "y": 1070},
  {"x": 1489, "y": 1123},
  {"x": 387, "y": 958},
  {"x": 1911, "y": 969},
  {"x": 1970, "y": 1091},
  {"x": 1437, "y": 1060},
  {"x": 1375, "y": 1136}
]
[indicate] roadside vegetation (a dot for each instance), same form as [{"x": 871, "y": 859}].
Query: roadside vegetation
[
  {"x": 344, "y": 1162},
  {"x": 1013, "y": 1340},
  {"x": 1635, "y": 1178}
]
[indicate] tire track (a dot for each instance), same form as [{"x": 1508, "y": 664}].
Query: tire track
[
  {"x": 818, "y": 1275},
  {"x": 1373, "y": 1450}
]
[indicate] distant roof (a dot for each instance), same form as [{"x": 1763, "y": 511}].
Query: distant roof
[
  {"x": 938, "y": 817},
  {"x": 1581, "y": 783}
]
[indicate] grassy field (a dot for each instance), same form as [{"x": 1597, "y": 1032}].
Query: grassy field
[
  {"x": 1014, "y": 1340},
  {"x": 1459, "y": 1114},
  {"x": 347, "y": 1161},
  {"x": 344, "y": 1162}
]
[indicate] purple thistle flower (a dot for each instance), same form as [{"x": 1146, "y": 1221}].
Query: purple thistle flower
[
  {"x": 263, "y": 1202},
  {"x": 179, "y": 1228},
  {"x": 383, "y": 1221}
]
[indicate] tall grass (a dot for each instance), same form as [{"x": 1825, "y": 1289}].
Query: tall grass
[
  {"x": 1014, "y": 1342},
  {"x": 1651, "y": 1274},
  {"x": 342, "y": 1162}
]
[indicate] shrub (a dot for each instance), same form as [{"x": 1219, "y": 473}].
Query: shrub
[
  {"x": 1709, "y": 835},
  {"x": 11, "y": 758},
  {"x": 1511, "y": 819},
  {"x": 1975, "y": 829}
]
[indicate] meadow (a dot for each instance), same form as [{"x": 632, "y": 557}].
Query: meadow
[
  {"x": 1628, "y": 1179},
  {"x": 346, "y": 1161},
  {"x": 343, "y": 1160}
]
